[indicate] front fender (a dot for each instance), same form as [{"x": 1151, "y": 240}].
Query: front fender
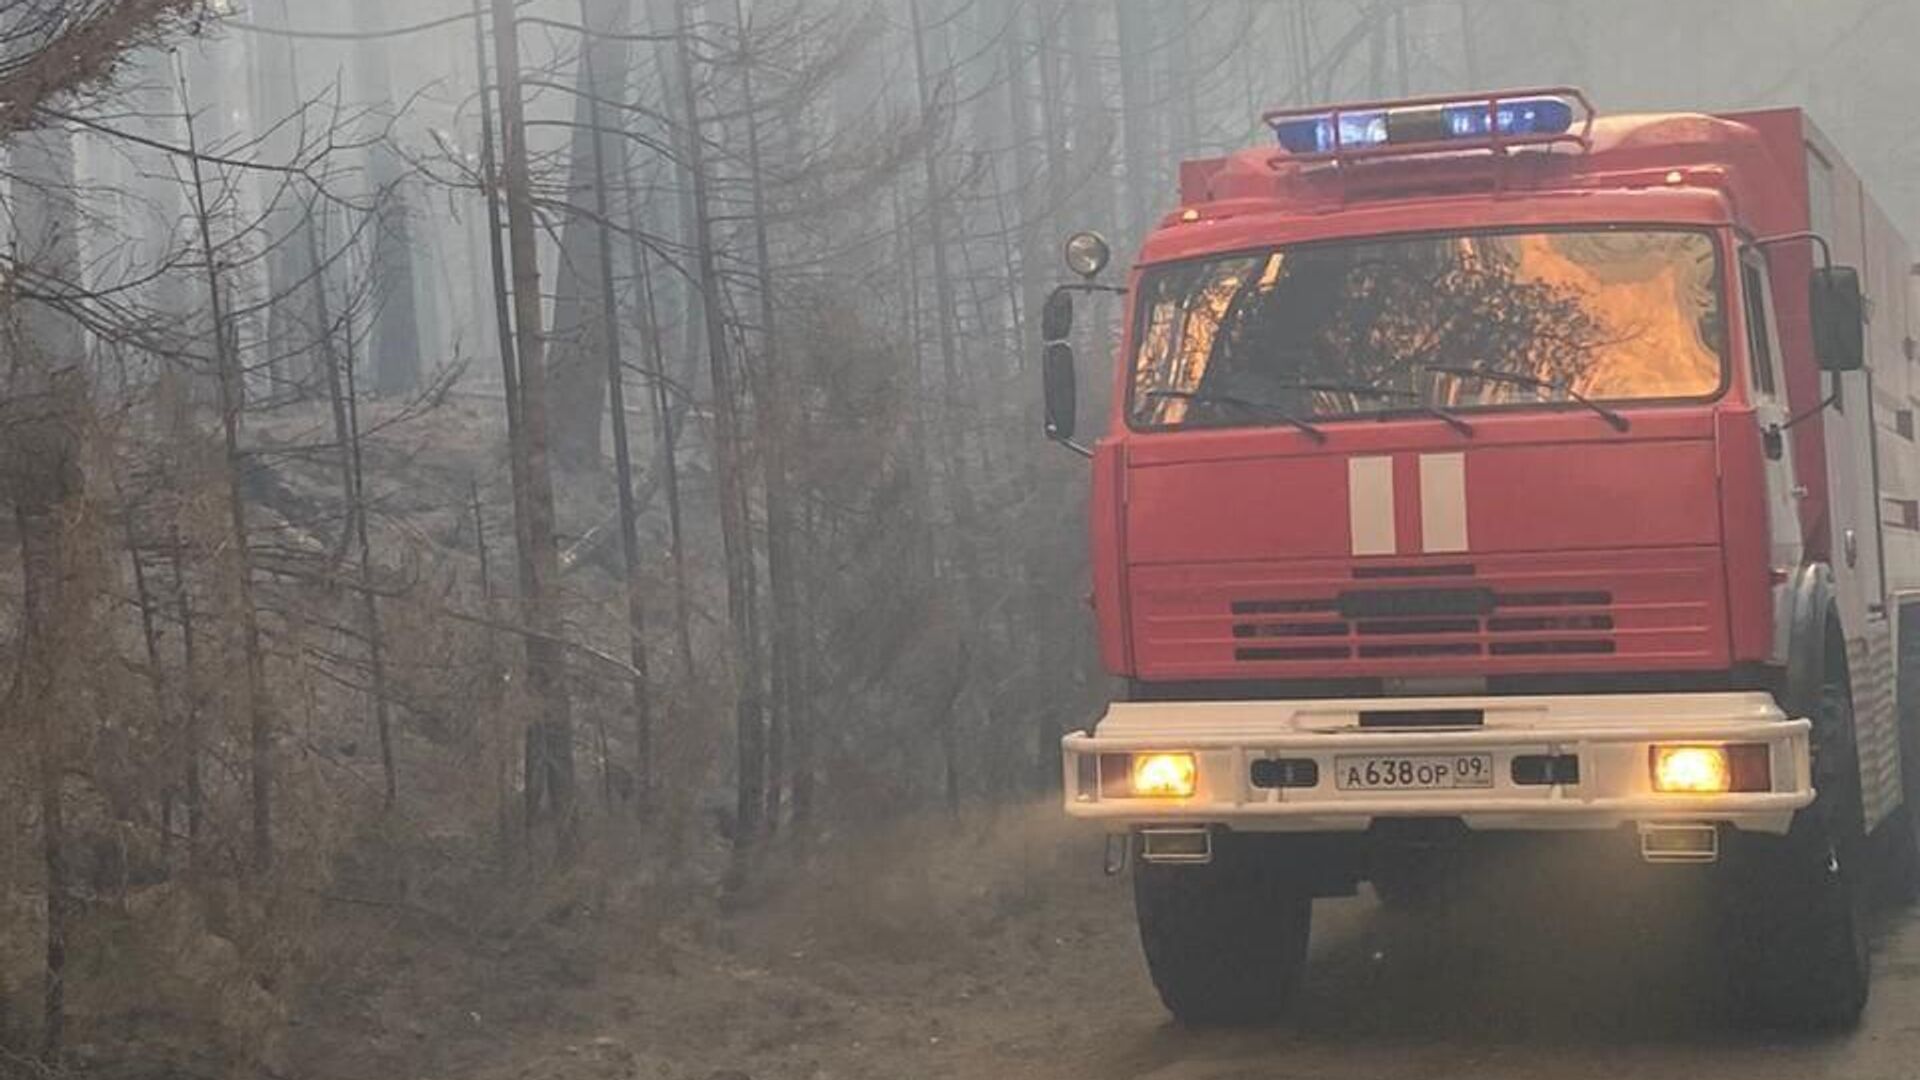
[{"x": 1810, "y": 608}]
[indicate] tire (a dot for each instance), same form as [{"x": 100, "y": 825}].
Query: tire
[
  {"x": 1225, "y": 943},
  {"x": 1799, "y": 948}
]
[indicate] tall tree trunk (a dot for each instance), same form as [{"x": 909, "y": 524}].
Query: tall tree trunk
[
  {"x": 369, "y": 604},
  {"x": 1402, "y": 50},
  {"x": 550, "y": 767},
  {"x": 502, "y": 311},
  {"x": 953, "y": 436},
  {"x": 156, "y": 669},
  {"x": 190, "y": 699},
  {"x": 578, "y": 377},
  {"x": 609, "y": 312},
  {"x": 397, "y": 340},
  {"x": 1469, "y": 46},
  {"x": 227, "y": 362},
  {"x": 774, "y": 414},
  {"x": 293, "y": 325},
  {"x": 1134, "y": 32},
  {"x": 736, "y": 540},
  {"x": 665, "y": 428},
  {"x": 41, "y": 471},
  {"x": 42, "y": 457},
  {"x": 1091, "y": 196},
  {"x": 1376, "y": 16},
  {"x": 678, "y": 294},
  {"x": 36, "y": 694}
]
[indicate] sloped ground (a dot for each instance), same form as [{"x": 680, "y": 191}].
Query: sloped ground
[{"x": 997, "y": 949}]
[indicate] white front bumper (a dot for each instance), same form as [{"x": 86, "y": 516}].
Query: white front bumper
[{"x": 1610, "y": 734}]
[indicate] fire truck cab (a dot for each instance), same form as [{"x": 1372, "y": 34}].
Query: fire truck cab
[{"x": 1483, "y": 465}]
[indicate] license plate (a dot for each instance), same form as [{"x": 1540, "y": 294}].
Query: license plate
[{"x": 1412, "y": 772}]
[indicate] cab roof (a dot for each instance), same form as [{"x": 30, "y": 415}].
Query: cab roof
[{"x": 1684, "y": 167}]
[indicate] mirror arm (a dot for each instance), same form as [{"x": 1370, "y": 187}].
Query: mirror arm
[
  {"x": 1090, "y": 286},
  {"x": 1825, "y": 404},
  {"x": 1826, "y": 253}
]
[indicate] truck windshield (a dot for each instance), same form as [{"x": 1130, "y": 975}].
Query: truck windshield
[{"x": 1356, "y": 327}]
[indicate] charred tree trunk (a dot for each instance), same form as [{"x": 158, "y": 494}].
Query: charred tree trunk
[
  {"x": 953, "y": 438},
  {"x": 190, "y": 700},
  {"x": 550, "y": 766},
  {"x": 774, "y": 415},
  {"x": 41, "y": 559},
  {"x": 578, "y": 371},
  {"x": 369, "y": 604},
  {"x": 41, "y": 413},
  {"x": 396, "y": 340},
  {"x": 736, "y": 540},
  {"x": 1134, "y": 30},
  {"x": 502, "y": 310},
  {"x": 660, "y": 401},
  {"x": 622, "y": 460},
  {"x": 292, "y": 325},
  {"x": 259, "y": 715}
]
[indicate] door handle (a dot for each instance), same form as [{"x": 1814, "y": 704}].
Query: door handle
[{"x": 1851, "y": 545}]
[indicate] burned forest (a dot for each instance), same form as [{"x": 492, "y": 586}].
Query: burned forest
[{"x": 528, "y": 540}]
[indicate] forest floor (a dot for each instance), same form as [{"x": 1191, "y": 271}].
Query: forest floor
[{"x": 999, "y": 949}]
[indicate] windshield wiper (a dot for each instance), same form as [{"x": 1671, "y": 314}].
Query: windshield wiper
[
  {"x": 1274, "y": 411},
  {"x": 1420, "y": 404},
  {"x": 1613, "y": 419}
]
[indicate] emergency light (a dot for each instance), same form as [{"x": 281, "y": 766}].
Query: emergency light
[{"x": 1315, "y": 134}]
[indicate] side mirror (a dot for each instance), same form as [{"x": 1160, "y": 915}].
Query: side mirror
[
  {"x": 1839, "y": 319},
  {"x": 1062, "y": 395},
  {"x": 1056, "y": 317}
]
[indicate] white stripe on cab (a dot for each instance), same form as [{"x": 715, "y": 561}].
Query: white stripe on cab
[
  {"x": 1370, "y": 505},
  {"x": 1443, "y": 502}
]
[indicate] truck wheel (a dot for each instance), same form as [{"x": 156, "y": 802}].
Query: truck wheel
[
  {"x": 1800, "y": 946},
  {"x": 1226, "y": 942}
]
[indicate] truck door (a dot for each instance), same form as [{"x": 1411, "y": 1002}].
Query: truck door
[{"x": 1768, "y": 392}]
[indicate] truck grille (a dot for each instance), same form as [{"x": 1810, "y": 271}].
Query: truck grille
[{"x": 1390, "y": 623}]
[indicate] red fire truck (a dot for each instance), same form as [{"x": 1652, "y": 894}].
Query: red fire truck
[{"x": 1488, "y": 466}]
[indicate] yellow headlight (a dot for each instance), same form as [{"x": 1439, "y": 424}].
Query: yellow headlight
[
  {"x": 1164, "y": 776},
  {"x": 1698, "y": 770}
]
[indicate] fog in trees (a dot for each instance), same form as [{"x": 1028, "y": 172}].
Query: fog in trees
[{"x": 519, "y": 460}]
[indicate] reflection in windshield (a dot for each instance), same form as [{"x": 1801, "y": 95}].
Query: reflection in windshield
[{"x": 1612, "y": 315}]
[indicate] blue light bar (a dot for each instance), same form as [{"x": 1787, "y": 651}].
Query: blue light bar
[
  {"x": 1314, "y": 134},
  {"x": 1526, "y": 116},
  {"x": 1384, "y": 127}
]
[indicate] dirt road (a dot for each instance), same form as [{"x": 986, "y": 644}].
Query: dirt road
[{"x": 1011, "y": 956}]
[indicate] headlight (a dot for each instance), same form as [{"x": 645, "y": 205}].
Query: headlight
[
  {"x": 1163, "y": 776},
  {"x": 1697, "y": 770},
  {"x": 1712, "y": 770}
]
